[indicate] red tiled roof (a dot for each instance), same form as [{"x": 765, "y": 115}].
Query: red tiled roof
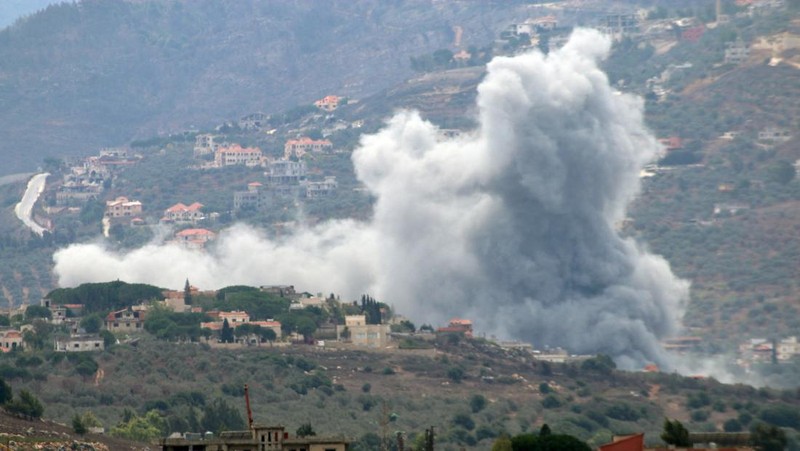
[
  {"x": 195, "y": 232},
  {"x": 180, "y": 207}
]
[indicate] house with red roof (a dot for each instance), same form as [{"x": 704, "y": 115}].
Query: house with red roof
[
  {"x": 11, "y": 339},
  {"x": 184, "y": 214},
  {"x": 328, "y": 103},
  {"x": 194, "y": 238},
  {"x": 457, "y": 326},
  {"x": 299, "y": 147}
]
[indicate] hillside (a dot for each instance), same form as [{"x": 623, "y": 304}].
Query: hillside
[
  {"x": 100, "y": 73},
  {"x": 470, "y": 391}
]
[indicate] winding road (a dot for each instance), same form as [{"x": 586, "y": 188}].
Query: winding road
[{"x": 24, "y": 208}]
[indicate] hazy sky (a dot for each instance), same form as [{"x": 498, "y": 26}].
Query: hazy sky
[{"x": 11, "y": 10}]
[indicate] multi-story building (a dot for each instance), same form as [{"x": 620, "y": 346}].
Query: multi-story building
[
  {"x": 298, "y": 147},
  {"x": 286, "y": 172},
  {"x": 125, "y": 320},
  {"x": 356, "y": 331},
  {"x": 205, "y": 144},
  {"x": 184, "y": 214},
  {"x": 323, "y": 188},
  {"x": 235, "y": 154},
  {"x": 121, "y": 207}
]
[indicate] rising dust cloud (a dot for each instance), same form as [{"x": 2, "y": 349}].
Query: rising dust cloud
[{"x": 511, "y": 225}]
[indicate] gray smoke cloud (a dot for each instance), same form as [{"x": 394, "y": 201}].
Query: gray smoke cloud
[{"x": 511, "y": 225}]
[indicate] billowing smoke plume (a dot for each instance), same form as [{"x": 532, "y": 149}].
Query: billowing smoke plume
[{"x": 511, "y": 225}]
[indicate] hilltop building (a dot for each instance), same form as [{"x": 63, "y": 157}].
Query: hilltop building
[
  {"x": 125, "y": 320},
  {"x": 356, "y": 331}
]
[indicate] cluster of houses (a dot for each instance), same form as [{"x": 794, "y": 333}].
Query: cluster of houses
[
  {"x": 763, "y": 350},
  {"x": 356, "y": 330},
  {"x": 87, "y": 178}
]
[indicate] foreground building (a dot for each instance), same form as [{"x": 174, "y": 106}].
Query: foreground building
[{"x": 258, "y": 438}]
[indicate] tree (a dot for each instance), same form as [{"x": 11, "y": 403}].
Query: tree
[
  {"x": 187, "y": 293},
  {"x": 267, "y": 334},
  {"x": 781, "y": 172},
  {"x": 37, "y": 311},
  {"x": 92, "y": 323},
  {"x": 767, "y": 437},
  {"x": 5, "y": 392},
  {"x": 220, "y": 416},
  {"x": 675, "y": 434},
  {"x": 455, "y": 374},
  {"x": 226, "y": 334},
  {"x": 503, "y": 443},
  {"x": 545, "y": 430},
  {"x": 477, "y": 403},
  {"x": 305, "y": 430},
  {"x": 306, "y": 327},
  {"x": 141, "y": 429},
  {"x": 26, "y": 404},
  {"x": 77, "y": 425}
]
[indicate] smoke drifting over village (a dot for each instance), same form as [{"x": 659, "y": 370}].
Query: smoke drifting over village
[{"x": 511, "y": 225}]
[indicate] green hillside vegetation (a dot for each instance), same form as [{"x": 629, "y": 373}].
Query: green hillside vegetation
[
  {"x": 184, "y": 387},
  {"x": 100, "y": 73},
  {"x": 102, "y": 297}
]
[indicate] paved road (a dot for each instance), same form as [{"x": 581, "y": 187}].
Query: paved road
[{"x": 24, "y": 208}]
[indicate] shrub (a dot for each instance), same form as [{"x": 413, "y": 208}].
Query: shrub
[
  {"x": 551, "y": 402},
  {"x": 477, "y": 403},
  {"x": 732, "y": 425},
  {"x": 366, "y": 387},
  {"x": 622, "y": 412},
  {"x": 455, "y": 374},
  {"x": 464, "y": 420}
]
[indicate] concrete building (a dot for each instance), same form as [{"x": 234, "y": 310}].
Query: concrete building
[
  {"x": 184, "y": 214},
  {"x": 121, "y": 207},
  {"x": 299, "y": 147},
  {"x": 205, "y": 144},
  {"x": 286, "y": 172},
  {"x": 235, "y": 154},
  {"x": 194, "y": 238},
  {"x": 736, "y": 52},
  {"x": 79, "y": 343},
  {"x": 125, "y": 320},
  {"x": 356, "y": 331},
  {"x": 321, "y": 188},
  {"x": 259, "y": 437},
  {"x": 10, "y": 340}
]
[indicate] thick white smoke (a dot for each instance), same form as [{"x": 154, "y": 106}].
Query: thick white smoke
[{"x": 511, "y": 225}]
